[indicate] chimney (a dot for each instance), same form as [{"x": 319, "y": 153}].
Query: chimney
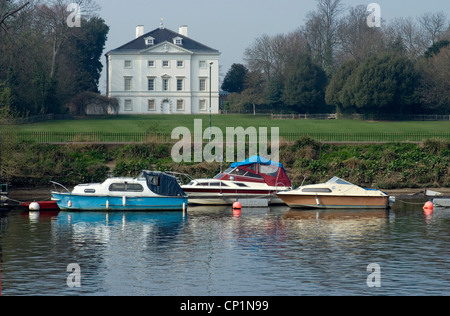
[
  {"x": 139, "y": 31},
  {"x": 183, "y": 30}
]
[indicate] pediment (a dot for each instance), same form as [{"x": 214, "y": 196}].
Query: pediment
[{"x": 166, "y": 48}]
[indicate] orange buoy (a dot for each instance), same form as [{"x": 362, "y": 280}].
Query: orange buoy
[
  {"x": 237, "y": 206},
  {"x": 428, "y": 208}
]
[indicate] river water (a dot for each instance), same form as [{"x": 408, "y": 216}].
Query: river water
[{"x": 211, "y": 251}]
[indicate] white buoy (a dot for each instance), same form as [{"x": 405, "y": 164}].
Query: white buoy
[{"x": 34, "y": 207}]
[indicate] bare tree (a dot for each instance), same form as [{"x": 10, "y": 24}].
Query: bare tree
[
  {"x": 356, "y": 39},
  {"x": 51, "y": 19},
  {"x": 7, "y": 11},
  {"x": 411, "y": 35},
  {"x": 436, "y": 82},
  {"x": 434, "y": 24},
  {"x": 321, "y": 31}
]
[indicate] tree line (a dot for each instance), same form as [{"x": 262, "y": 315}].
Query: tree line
[
  {"x": 45, "y": 60},
  {"x": 337, "y": 61}
]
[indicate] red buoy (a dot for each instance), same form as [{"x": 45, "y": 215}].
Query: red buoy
[
  {"x": 237, "y": 205},
  {"x": 428, "y": 208}
]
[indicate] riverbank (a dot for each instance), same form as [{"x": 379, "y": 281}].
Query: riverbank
[{"x": 381, "y": 166}]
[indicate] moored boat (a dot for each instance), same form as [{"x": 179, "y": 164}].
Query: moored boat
[
  {"x": 335, "y": 193},
  {"x": 4, "y": 198},
  {"x": 253, "y": 178},
  {"x": 43, "y": 205},
  {"x": 151, "y": 190}
]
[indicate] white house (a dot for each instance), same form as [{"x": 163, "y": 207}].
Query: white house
[{"x": 164, "y": 72}]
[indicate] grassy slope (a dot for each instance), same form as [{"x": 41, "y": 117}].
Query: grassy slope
[{"x": 166, "y": 123}]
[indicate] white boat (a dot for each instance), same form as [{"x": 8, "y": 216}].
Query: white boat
[
  {"x": 442, "y": 202},
  {"x": 336, "y": 193},
  {"x": 151, "y": 190},
  {"x": 253, "y": 178},
  {"x": 4, "y": 198}
]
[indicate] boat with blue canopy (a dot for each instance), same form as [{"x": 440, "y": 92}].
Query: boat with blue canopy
[
  {"x": 151, "y": 190},
  {"x": 256, "y": 178}
]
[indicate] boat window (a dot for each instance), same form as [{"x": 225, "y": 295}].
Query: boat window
[
  {"x": 89, "y": 191},
  {"x": 238, "y": 172},
  {"x": 218, "y": 176},
  {"x": 339, "y": 181},
  {"x": 191, "y": 183},
  {"x": 153, "y": 180},
  {"x": 269, "y": 170},
  {"x": 318, "y": 190},
  {"x": 134, "y": 187},
  {"x": 241, "y": 184},
  {"x": 126, "y": 187},
  {"x": 214, "y": 184},
  {"x": 253, "y": 175},
  {"x": 228, "y": 170},
  {"x": 252, "y": 167}
]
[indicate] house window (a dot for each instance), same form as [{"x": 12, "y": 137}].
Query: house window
[
  {"x": 165, "y": 63},
  {"x": 180, "y": 64},
  {"x": 151, "y": 105},
  {"x": 180, "y": 105},
  {"x": 127, "y": 83},
  {"x": 165, "y": 84},
  {"x": 127, "y": 64},
  {"x": 128, "y": 106},
  {"x": 202, "y": 64},
  {"x": 179, "y": 84},
  {"x": 202, "y": 84},
  {"x": 151, "y": 63},
  {"x": 202, "y": 105},
  {"x": 149, "y": 41},
  {"x": 178, "y": 41},
  {"x": 151, "y": 84}
]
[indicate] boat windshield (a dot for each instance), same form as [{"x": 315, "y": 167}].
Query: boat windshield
[{"x": 339, "y": 181}]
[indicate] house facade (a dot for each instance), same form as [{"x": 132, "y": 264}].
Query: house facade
[{"x": 164, "y": 72}]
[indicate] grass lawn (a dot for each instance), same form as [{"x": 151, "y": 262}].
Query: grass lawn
[{"x": 166, "y": 123}]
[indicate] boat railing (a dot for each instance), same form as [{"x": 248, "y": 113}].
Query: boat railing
[{"x": 56, "y": 185}]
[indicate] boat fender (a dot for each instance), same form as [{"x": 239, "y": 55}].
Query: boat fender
[
  {"x": 317, "y": 200},
  {"x": 69, "y": 204},
  {"x": 34, "y": 207},
  {"x": 107, "y": 204},
  {"x": 124, "y": 200}
]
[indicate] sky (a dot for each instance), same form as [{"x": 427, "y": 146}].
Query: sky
[{"x": 231, "y": 26}]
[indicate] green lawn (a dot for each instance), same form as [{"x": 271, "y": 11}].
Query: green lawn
[{"x": 166, "y": 123}]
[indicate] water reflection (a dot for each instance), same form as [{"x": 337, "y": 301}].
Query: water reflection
[{"x": 212, "y": 251}]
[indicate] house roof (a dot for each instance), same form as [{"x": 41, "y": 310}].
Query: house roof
[{"x": 161, "y": 35}]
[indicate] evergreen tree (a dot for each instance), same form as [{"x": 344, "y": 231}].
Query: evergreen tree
[
  {"x": 305, "y": 86},
  {"x": 234, "y": 80}
]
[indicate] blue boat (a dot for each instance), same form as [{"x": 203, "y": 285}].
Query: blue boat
[{"x": 151, "y": 190}]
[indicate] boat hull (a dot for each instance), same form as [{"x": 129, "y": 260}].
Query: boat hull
[
  {"x": 227, "y": 198},
  {"x": 335, "y": 202},
  {"x": 72, "y": 202},
  {"x": 43, "y": 205}
]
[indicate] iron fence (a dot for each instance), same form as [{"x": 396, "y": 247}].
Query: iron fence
[{"x": 145, "y": 137}]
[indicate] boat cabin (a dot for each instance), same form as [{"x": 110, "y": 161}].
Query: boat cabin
[{"x": 256, "y": 169}]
